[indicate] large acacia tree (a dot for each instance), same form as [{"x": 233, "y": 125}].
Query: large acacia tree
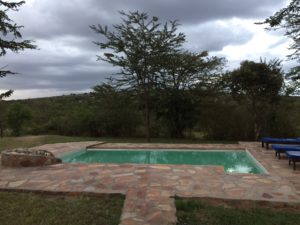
[
  {"x": 183, "y": 73},
  {"x": 257, "y": 85},
  {"x": 9, "y": 37},
  {"x": 138, "y": 45},
  {"x": 288, "y": 19}
]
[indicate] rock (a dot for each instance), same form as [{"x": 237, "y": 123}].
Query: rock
[{"x": 27, "y": 157}]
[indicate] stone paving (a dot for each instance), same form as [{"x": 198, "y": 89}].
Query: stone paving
[
  {"x": 153, "y": 146},
  {"x": 150, "y": 189}
]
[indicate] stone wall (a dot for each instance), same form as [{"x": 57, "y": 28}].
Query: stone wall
[{"x": 27, "y": 158}]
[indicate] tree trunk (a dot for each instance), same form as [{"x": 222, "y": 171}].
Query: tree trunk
[
  {"x": 1, "y": 130},
  {"x": 257, "y": 130},
  {"x": 147, "y": 114},
  {"x": 144, "y": 100},
  {"x": 257, "y": 125},
  {"x": 258, "y": 119}
]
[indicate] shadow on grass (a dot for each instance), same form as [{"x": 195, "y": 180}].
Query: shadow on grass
[{"x": 234, "y": 212}]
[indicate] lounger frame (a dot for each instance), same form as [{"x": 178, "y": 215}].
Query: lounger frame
[
  {"x": 294, "y": 160},
  {"x": 267, "y": 143}
]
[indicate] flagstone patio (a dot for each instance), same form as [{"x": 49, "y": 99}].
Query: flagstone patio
[{"x": 150, "y": 189}]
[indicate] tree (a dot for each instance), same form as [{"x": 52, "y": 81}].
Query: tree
[
  {"x": 115, "y": 111},
  {"x": 184, "y": 70},
  {"x": 138, "y": 45},
  {"x": 288, "y": 19},
  {"x": 9, "y": 32},
  {"x": 17, "y": 115},
  {"x": 182, "y": 73},
  {"x": 258, "y": 85}
]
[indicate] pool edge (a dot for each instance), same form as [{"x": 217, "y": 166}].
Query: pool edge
[{"x": 264, "y": 170}]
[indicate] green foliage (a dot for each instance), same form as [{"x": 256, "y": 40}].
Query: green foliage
[
  {"x": 288, "y": 19},
  {"x": 222, "y": 118},
  {"x": 64, "y": 115},
  {"x": 176, "y": 112},
  {"x": 282, "y": 119},
  {"x": 9, "y": 33},
  {"x": 184, "y": 70},
  {"x": 138, "y": 45},
  {"x": 183, "y": 75},
  {"x": 17, "y": 115},
  {"x": 258, "y": 85},
  {"x": 105, "y": 112},
  {"x": 110, "y": 112},
  {"x": 257, "y": 81},
  {"x": 293, "y": 80},
  {"x": 157, "y": 70},
  {"x": 78, "y": 122},
  {"x": 115, "y": 111}
]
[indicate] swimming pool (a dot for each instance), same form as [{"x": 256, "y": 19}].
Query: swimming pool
[{"x": 233, "y": 161}]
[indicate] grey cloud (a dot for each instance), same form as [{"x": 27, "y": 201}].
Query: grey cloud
[
  {"x": 46, "y": 19},
  {"x": 212, "y": 36},
  {"x": 67, "y": 57},
  {"x": 43, "y": 71},
  {"x": 204, "y": 10},
  {"x": 280, "y": 42},
  {"x": 75, "y": 79}
]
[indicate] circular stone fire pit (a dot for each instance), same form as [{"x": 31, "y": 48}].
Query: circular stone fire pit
[{"x": 21, "y": 157}]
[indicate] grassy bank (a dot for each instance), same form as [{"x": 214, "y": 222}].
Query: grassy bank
[
  {"x": 30, "y": 141},
  {"x": 199, "y": 212},
  {"x": 28, "y": 209}
]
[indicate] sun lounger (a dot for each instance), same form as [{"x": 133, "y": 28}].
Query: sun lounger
[
  {"x": 269, "y": 140},
  {"x": 284, "y": 148},
  {"x": 294, "y": 156}
]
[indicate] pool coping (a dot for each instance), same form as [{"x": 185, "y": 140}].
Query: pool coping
[
  {"x": 144, "y": 149},
  {"x": 264, "y": 170}
]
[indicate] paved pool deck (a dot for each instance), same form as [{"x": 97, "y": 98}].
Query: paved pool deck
[{"x": 150, "y": 189}]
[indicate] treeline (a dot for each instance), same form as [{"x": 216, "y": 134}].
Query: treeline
[{"x": 109, "y": 112}]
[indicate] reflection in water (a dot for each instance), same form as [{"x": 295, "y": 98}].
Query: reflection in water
[
  {"x": 239, "y": 169},
  {"x": 232, "y": 161}
]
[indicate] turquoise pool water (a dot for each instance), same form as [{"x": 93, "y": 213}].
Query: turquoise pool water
[{"x": 232, "y": 161}]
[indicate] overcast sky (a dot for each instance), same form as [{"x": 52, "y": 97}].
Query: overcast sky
[{"x": 66, "y": 60}]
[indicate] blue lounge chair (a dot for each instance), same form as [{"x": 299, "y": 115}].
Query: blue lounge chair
[
  {"x": 269, "y": 140},
  {"x": 284, "y": 148},
  {"x": 294, "y": 156}
]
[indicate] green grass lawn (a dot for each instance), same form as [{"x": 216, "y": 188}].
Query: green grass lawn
[
  {"x": 30, "y": 141},
  {"x": 197, "y": 212},
  {"x": 35, "y": 209}
]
